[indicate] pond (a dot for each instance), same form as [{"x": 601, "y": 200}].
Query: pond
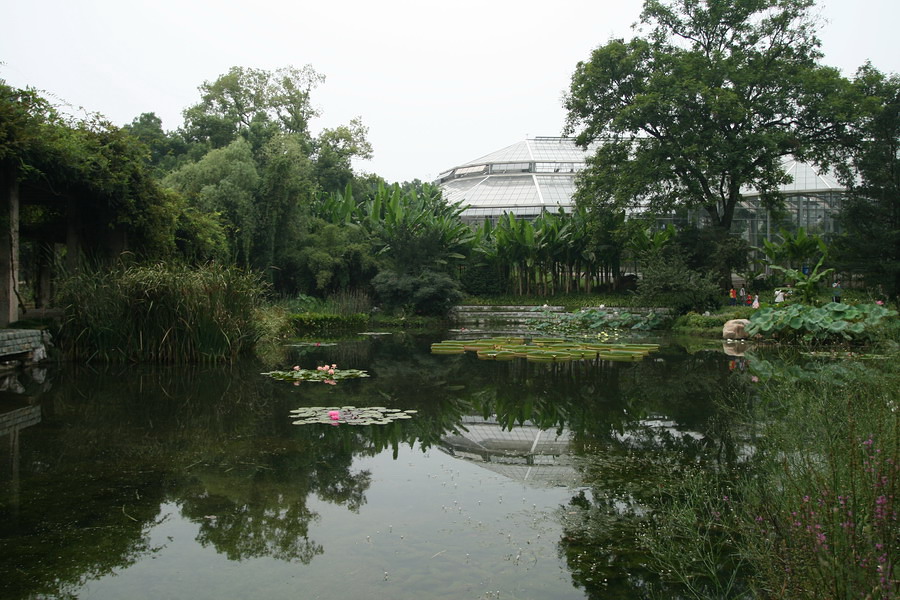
[{"x": 511, "y": 480}]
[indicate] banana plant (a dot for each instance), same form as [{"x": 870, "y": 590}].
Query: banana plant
[
  {"x": 807, "y": 285},
  {"x": 794, "y": 249},
  {"x": 337, "y": 209},
  {"x": 413, "y": 231}
]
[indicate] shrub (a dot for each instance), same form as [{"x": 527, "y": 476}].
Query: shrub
[
  {"x": 427, "y": 293},
  {"x": 669, "y": 282}
]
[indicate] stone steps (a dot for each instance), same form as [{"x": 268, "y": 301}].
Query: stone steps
[
  {"x": 477, "y": 315},
  {"x": 482, "y": 315}
]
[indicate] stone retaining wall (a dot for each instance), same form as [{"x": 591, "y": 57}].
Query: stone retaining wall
[
  {"x": 19, "y": 418},
  {"x": 479, "y": 315},
  {"x": 14, "y": 342}
]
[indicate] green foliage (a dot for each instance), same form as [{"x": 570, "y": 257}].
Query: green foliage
[
  {"x": 814, "y": 514},
  {"x": 426, "y": 293},
  {"x": 329, "y": 259},
  {"x": 807, "y": 284},
  {"x": 88, "y": 165},
  {"x": 234, "y": 102},
  {"x": 166, "y": 148},
  {"x": 829, "y": 323},
  {"x": 690, "y": 113},
  {"x": 794, "y": 249},
  {"x": 481, "y": 278},
  {"x": 318, "y": 324},
  {"x": 667, "y": 281},
  {"x": 224, "y": 183},
  {"x": 868, "y": 163},
  {"x": 160, "y": 314},
  {"x": 413, "y": 232},
  {"x": 711, "y": 250},
  {"x": 335, "y": 149}
]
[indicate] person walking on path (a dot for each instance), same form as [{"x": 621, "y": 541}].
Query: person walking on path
[
  {"x": 836, "y": 291},
  {"x": 743, "y": 295},
  {"x": 732, "y": 297}
]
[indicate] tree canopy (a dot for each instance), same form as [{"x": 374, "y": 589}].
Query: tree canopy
[
  {"x": 708, "y": 101},
  {"x": 868, "y": 163}
]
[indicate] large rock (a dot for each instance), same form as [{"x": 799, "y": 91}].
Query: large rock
[{"x": 735, "y": 329}]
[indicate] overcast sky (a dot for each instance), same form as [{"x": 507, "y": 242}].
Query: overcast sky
[{"x": 437, "y": 83}]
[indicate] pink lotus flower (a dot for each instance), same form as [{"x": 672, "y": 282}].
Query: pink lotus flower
[
  {"x": 296, "y": 368},
  {"x": 334, "y": 414}
]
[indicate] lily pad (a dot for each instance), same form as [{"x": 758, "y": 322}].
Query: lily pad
[
  {"x": 324, "y": 374},
  {"x": 543, "y": 349},
  {"x": 349, "y": 415}
]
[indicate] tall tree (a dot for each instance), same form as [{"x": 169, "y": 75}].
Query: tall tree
[
  {"x": 244, "y": 99},
  {"x": 869, "y": 166},
  {"x": 165, "y": 147},
  {"x": 224, "y": 183},
  {"x": 335, "y": 149},
  {"x": 708, "y": 101}
]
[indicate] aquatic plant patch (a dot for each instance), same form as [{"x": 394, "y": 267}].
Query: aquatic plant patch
[
  {"x": 349, "y": 415},
  {"x": 543, "y": 349},
  {"x": 329, "y": 374}
]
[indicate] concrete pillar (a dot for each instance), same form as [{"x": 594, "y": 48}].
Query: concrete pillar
[{"x": 9, "y": 248}]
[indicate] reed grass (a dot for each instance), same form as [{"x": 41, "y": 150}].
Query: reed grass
[{"x": 160, "y": 314}]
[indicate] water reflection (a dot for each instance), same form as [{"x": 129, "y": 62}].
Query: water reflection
[{"x": 117, "y": 448}]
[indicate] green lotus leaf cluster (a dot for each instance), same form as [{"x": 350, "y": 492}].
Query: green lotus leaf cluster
[
  {"x": 327, "y": 374},
  {"x": 834, "y": 321},
  {"x": 349, "y": 415},
  {"x": 543, "y": 349}
]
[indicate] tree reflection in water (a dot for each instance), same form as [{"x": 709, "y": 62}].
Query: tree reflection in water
[{"x": 117, "y": 443}]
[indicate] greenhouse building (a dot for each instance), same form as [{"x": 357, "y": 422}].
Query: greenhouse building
[{"x": 538, "y": 174}]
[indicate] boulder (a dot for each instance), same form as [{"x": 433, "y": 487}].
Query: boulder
[{"x": 735, "y": 329}]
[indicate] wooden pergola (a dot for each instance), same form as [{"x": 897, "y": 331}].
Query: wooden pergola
[{"x": 63, "y": 228}]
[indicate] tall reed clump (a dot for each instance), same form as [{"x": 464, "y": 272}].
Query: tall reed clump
[
  {"x": 813, "y": 513},
  {"x": 160, "y": 314}
]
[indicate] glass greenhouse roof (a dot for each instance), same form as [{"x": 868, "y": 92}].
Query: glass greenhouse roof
[{"x": 539, "y": 174}]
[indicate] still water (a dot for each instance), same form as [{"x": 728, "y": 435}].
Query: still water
[{"x": 513, "y": 480}]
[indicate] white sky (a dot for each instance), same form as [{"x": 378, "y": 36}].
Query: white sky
[{"x": 437, "y": 83}]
